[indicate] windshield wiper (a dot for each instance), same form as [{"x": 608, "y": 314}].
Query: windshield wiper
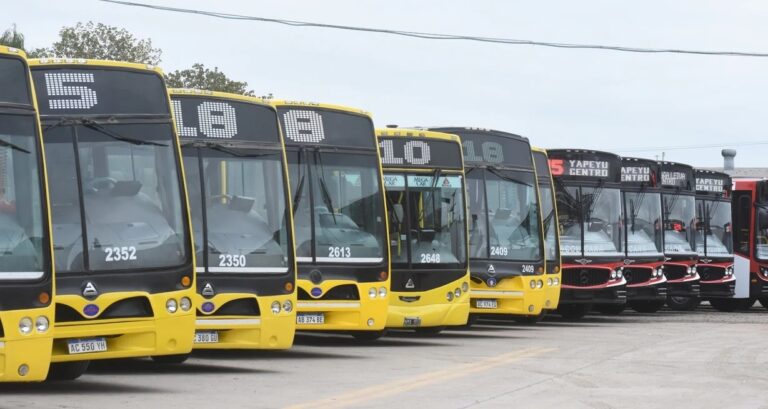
[
  {"x": 327, "y": 199},
  {"x": 300, "y": 185},
  {"x": 13, "y": 146},
  {"x": 224, "y": 149},
  {"x": 91, "y": 124}
]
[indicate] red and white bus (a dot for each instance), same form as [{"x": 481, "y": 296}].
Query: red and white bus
[{"x": 750, "y": 235}]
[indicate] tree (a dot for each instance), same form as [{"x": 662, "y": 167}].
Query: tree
[
  {"x": 12, "y": 38},
  {"x": 103, "y": 42},
  {"x": 200, "y": 77}
]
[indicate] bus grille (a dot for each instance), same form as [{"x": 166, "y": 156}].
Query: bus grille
[
  {"x": 675, "y": 272},
  {"x": 585, "y": 277},
  {"x": 637, "y": 275},
  {"x": 711, "y": 273},
  {"x": 243, "y": 306},
  {"x": 135, "y": 307},
  {"x": 346, "y": 292}
]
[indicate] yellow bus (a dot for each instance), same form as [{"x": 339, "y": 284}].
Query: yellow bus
[
  {"x": 26, "y": 266},
  {"x": 506, "y": 243},
  {"x": 237, "y": 182},
  {"x": 339, "y": 218},
  {"x": 551, "y": 229},
  {"x": 122, "y": 238},
  {"x": 426, "y": 204}
]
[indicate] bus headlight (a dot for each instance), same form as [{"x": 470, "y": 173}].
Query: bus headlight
[
  {"x": 42, "y": 323},
  {"x": 372, "y": 292},
  {"x": 25, "y": 325},
  {"x": 533, "y": 284},
  {"x": 185, "y": 303},
  {"x": 620, "y": 273},
  {"x": 449, "y": 296},
  {"x": 539, "y": 283},
  {"x": 275, "y": 307},
  {"x": 382, "y": 292},
  {"x": 287, "y": 306},
  {"x": 556, "y": 281},
  {"x": 465, "y": 287},
  {"x": 171, "y": 305},
  {"x": 457, "y": 292},
  {"x": 613, "y": 274},
  {"x": 549, "y": 282}
]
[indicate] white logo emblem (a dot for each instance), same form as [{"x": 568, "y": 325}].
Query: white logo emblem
[
  {"x": 208, "y": 289},
  {"x": 90, "y": 290},
  {"x": 410, "y": 284},
  {"x": 491, "y": 269}
]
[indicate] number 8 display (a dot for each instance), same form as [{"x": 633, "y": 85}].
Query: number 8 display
[{"x": 304, "y": 126}]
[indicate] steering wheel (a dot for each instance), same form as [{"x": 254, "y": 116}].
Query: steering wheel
[{"x": 97, "y": 184}]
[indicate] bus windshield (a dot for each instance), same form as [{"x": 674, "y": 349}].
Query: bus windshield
[
  {"x": 550, "y": 232},
  {"x": 713, "y": 232},
  {"x": 761, "y": 234},
  {"x": 504, "y": 212},
  {"x": 123, "y": 179},
  {"x": 426, "y": 219},
  {"x": 590, "y": 216},
  {"x": 21, "y": 209},
  {"x": 237, "y": 202},
  {"x": 338, "y": 213},
  {"x": 679, "y": 214},
  {"x": 643, "y": 221}
]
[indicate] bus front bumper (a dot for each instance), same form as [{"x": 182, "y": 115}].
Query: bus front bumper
[
  {"x": 616, "y": 294},
  {"x": 427, "y": 312},
  {"x": 512, "y": 296},
  {"x": 725, "y": 288},
  {"x": 652, "y": 291},
  {"x": 686, "y": 287}
]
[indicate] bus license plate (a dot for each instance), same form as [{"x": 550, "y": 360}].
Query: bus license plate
[
  {"x": 412, "y": 322},
  {"x": 488, "y": 304},
  {"x": 84, "y": 346},
  {"x": 206, "y": 337},
  {"x": 312, "y": 319}
]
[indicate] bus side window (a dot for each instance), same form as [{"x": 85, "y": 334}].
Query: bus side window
[{"x": 742, "y": 214}]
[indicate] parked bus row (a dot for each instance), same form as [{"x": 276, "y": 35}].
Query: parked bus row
[{"x": 140, "y": 221}]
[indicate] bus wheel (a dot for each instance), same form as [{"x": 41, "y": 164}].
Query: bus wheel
[
  {"x": 749, "y": 302},
  {"x": 763, "y": 301},
  {"x": 610, "y": 309},
  {"x": 368, "y": 335},
  {"x": 67, "y": 371},
  {"x": 726, "y": 304},
  {"x": 471, "y": 320},
  {"x": 683, "y": 303},
  {"x": 573, "y": 312},
  {"x": 170, "y": 359},
  {"x": 429, "y": 331},
  {"x": 646, "y": 306},
  {"x": 528, "y": 319}
]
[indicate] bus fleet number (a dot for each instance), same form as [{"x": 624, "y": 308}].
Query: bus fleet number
[
  {"x": 231, "y": 260},
  {"x": 430, "y": 257},
  {"x": 499, "y": 251},
  {"x": 120, "y": 253},
  {"x": 339, "y": 252}
]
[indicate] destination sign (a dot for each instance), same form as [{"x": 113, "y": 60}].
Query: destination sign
[
  {"x": 318, "y": 126},
  {"x": 99, "y": 91},
  {"x": 224, "y": 119},
  {"x": 493, "y": 147},
  {"x": 14, "y": 81},
  {"x": 580, "y": 168},
  {"x": 674, "y": 178},
  {"x": 419, "y": 152},
  {"x": 636, "y": 174},
  {"x": 710, "y": 184}
]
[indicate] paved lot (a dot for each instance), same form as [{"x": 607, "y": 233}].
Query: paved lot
[{"x": 703, "y": 359}]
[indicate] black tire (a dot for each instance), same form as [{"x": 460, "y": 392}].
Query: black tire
[
  {"x": 647, "y": 307},
  {"x": 368, "y": 335},
  {"x": 683, "y": 303},
  {"x": 529, "y": 319},
  {"x": 471, "y": 320},
  {"x": 750, "y": 302},
  {"x": 67, "y": 371},
  {"x": 429, "y": 331},
  {"x": 573, "y": 312},
  {"x": 170, "y": 359},
  {"x": 727, "y": 304},
  {"x": 610, "y": 309},
  {"x": 763, "y": 302}
]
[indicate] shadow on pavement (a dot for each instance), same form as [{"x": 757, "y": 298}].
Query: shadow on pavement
[
  {"x": 146, "y": 366},
  {"x": 76, "y": 387},
  {"x": 449, "y": 334},
  {"x": 348, "y": 341},
  {"x": 266, "y": 355}
]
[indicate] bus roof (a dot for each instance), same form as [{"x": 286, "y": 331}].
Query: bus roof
[
  {"x": 53, "y": 62},
  {"x": 12, "y": 51},
  {"x": 193, "y": 92},
  {"x": 458, "y": 130},
  {"x": 415, "y": 132},
  {"x": 539, "y": 150},
  {"x": 306, "y": 104}
]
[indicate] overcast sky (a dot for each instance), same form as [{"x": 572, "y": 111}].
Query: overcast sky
[{"x": 558, "y": 98}]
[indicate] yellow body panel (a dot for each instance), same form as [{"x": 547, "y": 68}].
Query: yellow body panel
[
  {"x": 432, "y": 308},
  {"x": 162, "y": 334},
  {"x": 33, "y": 350},
  {"x": 552, "y": 298},
  {"x": 345, "y": 315},
  {"x": 513, "y": 295},
  {"x": 267, "y": 331}
]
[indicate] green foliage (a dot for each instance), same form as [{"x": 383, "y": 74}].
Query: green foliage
[
  {"x": 12, "y": 38},
  {"x": 199, "y": 77},
  {"x": 103, "y": 42}
]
